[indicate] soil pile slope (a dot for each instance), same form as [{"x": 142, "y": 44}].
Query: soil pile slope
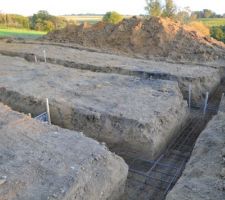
[{"x": 144, "y": 37}]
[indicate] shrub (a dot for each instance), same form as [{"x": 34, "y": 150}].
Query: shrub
[
  {"x": 218, "y": 33},
  {"x": 112, "y": 17},
  {"x": 43, "y": 21},
  {"x": 153, "y": 8}
]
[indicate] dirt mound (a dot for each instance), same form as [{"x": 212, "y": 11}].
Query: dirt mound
[{"x": 144, "y": 37}]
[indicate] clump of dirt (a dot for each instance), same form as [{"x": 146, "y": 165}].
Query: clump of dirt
[{"x": 144, "y": 37}]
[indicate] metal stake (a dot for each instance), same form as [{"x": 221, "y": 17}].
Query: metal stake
[
  {"x": 222, "y": 96},
  {"x": 44, "y": 52},
  {"x": 48, "y": 111},
  {"x": 221, "y": 102},
  {"x": 189, "y": 96},
  {"x": 35, "y": 58},
  {"x": 206, "y": 102}
]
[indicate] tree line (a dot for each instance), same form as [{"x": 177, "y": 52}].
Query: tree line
[
  {"x": 206, "y": 13},
  {"x": 169, "y": 9},
  {"x": 41, "y": 21},
  {"x": 16, "y": 21}
]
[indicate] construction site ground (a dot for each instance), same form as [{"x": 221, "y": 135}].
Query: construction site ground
[{"x": 149, "y": 108}]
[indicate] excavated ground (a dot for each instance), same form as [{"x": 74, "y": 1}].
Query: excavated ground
[
  {"x": 152, "y": 180},
  {"x": 135, "y": 115},
  {"x": 204, "y": 175},
  {"x": 38, "y": 161},
  {"x": 202, "y": 77},
  {"x": 128, "y": 113}
]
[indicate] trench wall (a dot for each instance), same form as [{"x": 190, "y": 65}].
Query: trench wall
[
  {"x": 200, "y": 85},
  {"x": 122, "y": 135},
  {"x": 203, "y": 177}
]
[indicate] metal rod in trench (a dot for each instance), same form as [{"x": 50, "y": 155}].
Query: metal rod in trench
[
  {"x": 222, "y": 96},
  {"x": 35, "y": 58},
  {"x": 221, "y": 100},
  {"x": 206, "y": 102},
  {"x": 189, "y": 96},
  {"x": 48, "y": 111},
  {"x": 44, "y": 52}
]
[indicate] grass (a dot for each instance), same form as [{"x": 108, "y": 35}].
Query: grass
[
  {"x": 213, "y": 21},
  {"x": 20, "y": 33}
]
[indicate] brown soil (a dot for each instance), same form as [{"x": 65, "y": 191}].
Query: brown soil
[{"x": 145, "y": 38}]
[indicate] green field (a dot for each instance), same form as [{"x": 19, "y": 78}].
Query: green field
[
  {"x": 87, "y": 18},
  {"x": 82, "y": 19},
  {"x": 213, "y": 21},
  {"x": 20, "y": 33}
]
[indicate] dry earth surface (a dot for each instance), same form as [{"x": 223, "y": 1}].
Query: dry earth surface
[
  {"x": 133, "y": 101},
  {"x": 202, "y": 77},
  {"x": 126, "y": 112},
  {"x": 38, "y": 161}
]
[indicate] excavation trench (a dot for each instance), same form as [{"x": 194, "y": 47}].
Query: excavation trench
[
  {"x": 126, "y": 112},
  {"x": 92, "y": 50},
  {"x": 163, "y": 171},
  {"x": 200, "y": 85},
  {"x": 148, "y": 179},
  {"x": 118, "y": 132},
  {"x": 153, "y": 179}
]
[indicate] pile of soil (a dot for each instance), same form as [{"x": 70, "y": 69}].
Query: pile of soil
[{"x": 144, "y": 37}]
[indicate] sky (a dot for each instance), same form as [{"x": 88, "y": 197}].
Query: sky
[{"x": 130, "y": 7}]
